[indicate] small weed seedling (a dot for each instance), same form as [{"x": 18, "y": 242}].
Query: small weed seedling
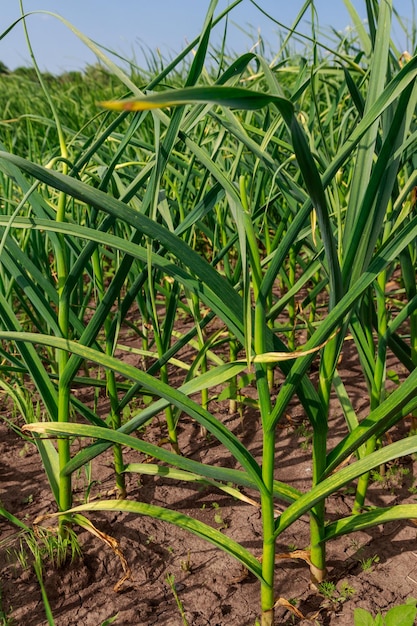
[
  {"x": 334, "y": 596},
  {"x": 43, "y": 546},
  {"x": 218, "y": 518},
  {"x": 328, "y": 589},
  {"x": 367, "y": 564},
  {"x": 186, "y": 563},
  {"x": 40, "y": 547},
  {"x": 304, "y": 431},
  {"x": 346, "y": 590},
  {"x": 170, "y": 580},
  {"x": 392, "y": 477}
]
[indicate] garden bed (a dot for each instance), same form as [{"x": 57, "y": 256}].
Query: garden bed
[
  {"x": 376, "y": 569},
  {"x": 225, "y": 267}
]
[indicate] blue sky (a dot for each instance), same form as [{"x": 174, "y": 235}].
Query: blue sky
[{"x": 126, "y": 26}]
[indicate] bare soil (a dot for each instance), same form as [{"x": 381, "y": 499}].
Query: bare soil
[{"x": 379, "y": 566}]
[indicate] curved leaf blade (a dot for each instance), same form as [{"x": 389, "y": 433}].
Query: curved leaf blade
[{"x": 180, "y": 520}]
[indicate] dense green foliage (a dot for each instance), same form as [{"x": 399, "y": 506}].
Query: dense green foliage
[{"x": 271, "y": 203}]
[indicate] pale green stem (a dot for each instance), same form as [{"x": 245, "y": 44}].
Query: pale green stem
[
  {"x": 269, "y": 302},
  {"x": 319, "y": 442},
  {"x": 268, "y": 448},
  {"x": 317, "y": 519},
  {"x": 268, "y": 471},
  {"x": 313, "y": 306},
  {"x": 115, "y": 419},
  {"x": 201, "y": 344},
  {"x": 64, "y": 453},
  {"x": 268, "y": 525},
  {"x": 169, "y": 414},
  {"x": 116, "y": 423},
  {"x": 378, "y": 384},
  {"x": 291, "y": 304},
  {"x": 233, "y": 386},
  {"x": 409, "y": 278},
  {"x": 64, "y": 392}
]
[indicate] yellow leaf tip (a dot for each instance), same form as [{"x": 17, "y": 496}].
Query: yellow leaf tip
[{"x": 113, "y": 105}]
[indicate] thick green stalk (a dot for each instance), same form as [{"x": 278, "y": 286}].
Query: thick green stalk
[
  {"x": 292, "y": 304},
  {"x": 268, "y": 432},
  {"x": 169, "y": 414},
  {"x": 116, "y": 423},
  {"x": 233, "y": 385},
  {"x": 195, "y": 308},
  {"x": 407, "y": 259},
  {"x": 111, "y": 385},
  {"x": 317, "y": 519},
  {"x": 61, "y": 255},
  {"x": 378, "y": 384},
  {"x": 65, "y": 488},
  {"x": 313, "y": 304},
  {"x": 64, "y": 392},
  {"x": 268, "y": 521},
  {"x": 268, "y": 467}
]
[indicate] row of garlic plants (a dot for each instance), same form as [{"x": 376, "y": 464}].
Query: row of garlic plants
[{"x": 267, "y": 202}]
